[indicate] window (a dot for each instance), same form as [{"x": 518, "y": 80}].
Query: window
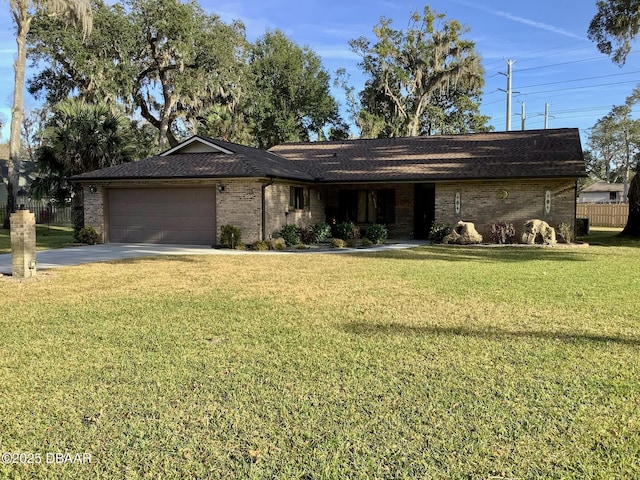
[
  {"x": 368, "y": 206},
  {"x": 612, "y": 196},
  {"x": 296, "y": 198}
]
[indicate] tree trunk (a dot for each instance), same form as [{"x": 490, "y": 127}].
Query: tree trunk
[
  {"x": 632, "y": 229},
  {"x": 23, "y": 22}
]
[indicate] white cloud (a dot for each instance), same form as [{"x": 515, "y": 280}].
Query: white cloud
[
  {"x": 335, "y": 52},
  {"x": 524, "y": 21},
  {"x": 535, "y": 24}
]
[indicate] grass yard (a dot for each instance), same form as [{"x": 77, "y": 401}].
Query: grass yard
[
  {"x": 46, "y": 238},
  {"x": 436, "y": 362}
]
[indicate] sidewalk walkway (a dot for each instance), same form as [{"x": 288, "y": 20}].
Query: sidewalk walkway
[{"x": 64, "y": 257}]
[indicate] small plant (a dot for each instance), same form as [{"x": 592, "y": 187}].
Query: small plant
[
  {"x": 338, "y": 243},
  {"x": 302, "y": 246},
  {"x": 277, "y": 244},
  {"x": 438, "y": 231},
  {"x": 566, "y": 232},
  {"x": 88, "y": 235},
  {"x": 366, "y": 242},
  {"x": 306, "y": 235},
  {"x": 346, "y": 230},
  {"x": 260, "y": 246},
  {"x": 352, "y": 243},
  {"x": 502, "y": 232},
  {"x": 321, "y": 231},
  {"x": 376, "y": 232},
  {"x": 230, "y": 236},
  {"x": 290, "y": 234}
]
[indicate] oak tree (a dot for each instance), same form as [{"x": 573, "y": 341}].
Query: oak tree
[{"x": 427, "y": 79}]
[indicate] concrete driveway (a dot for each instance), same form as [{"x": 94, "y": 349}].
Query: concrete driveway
[{"x": 64, "y": 257}]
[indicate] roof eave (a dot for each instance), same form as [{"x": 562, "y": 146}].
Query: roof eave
[
  {"x": 445, "y": 179},
  {"x": 185, "y": 177}
]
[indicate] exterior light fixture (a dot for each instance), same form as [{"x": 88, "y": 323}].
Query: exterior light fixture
[
  {"x": 21, "y": 197},
  {"x": 93, "y": 189},
  {"x": 220, "y": 187}
]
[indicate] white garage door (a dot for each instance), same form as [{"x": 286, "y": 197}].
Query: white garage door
[{"x": 162, "y": 215}]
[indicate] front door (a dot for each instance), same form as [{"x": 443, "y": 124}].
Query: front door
[{"x": 424, "y": 209}]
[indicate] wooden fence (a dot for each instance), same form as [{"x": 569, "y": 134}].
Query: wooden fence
[
  {"x": 604, "y": 214},
  {"x": 45, "y": 214}
]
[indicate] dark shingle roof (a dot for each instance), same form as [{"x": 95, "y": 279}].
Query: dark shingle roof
[
  {"x": 524, "y": 154},
  {"x": 242, "y": 162}
]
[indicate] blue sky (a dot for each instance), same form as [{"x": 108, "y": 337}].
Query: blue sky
[{"x": 555, "y": 63}]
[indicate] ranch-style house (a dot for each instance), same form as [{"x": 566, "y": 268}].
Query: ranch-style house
[{"x": 185, "y": 194}]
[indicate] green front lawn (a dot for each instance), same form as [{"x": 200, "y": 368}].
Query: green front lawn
[
  {"x": 436, "y": 362},
  {"x": 608, "y": 237},
  {"x": 46, "y": 238}
]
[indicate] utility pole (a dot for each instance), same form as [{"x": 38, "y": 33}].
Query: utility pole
[
  {"x": 522, "y": 114},
  {"x": 508, "y": 91},
  {"x": 546, "y": 115}
]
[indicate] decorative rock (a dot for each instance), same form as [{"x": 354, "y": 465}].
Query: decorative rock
[
  {"x": 464, "y": 233},
  {"x": 538, "y": 230}
]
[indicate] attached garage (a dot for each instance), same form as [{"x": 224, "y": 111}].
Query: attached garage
[{"x": 162, "y": 215}]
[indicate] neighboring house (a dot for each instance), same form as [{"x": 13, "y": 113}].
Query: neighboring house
[
  {"x": 26, "y": 174},
  {"x": 187, "y": 193},
  {"x": 4, "y": 155},
  {"x": 602, "y": 192}
]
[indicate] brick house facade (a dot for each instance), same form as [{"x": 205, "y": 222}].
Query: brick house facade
[{"x": 187, "y": 193}]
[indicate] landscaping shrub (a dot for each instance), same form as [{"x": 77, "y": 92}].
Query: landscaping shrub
[
  {"x": 352, "y": 243},
  {"x": 260, "y": 245},
  {"x": 502, "y": 232},
  {"x": 338, "y": 243},
  {"x": 366, "y": 242},
  {"x": 320, "y": 231},
  {"x": 77, "y": 220},
  {"x": 277, "y": 244},
  {"x": 230, "y": 236},
  {"x": 438, "y": 231},
  {"x": 87, "y": 235},
  {"x": 376, "y": 232},
  {"x": 305, "y": 235},
  {"x": 566, "y": 232},
  {"x": 290, "y": 234},
  {"x": 346, "y": 230}
]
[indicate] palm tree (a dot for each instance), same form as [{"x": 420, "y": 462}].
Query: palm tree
[
  {"x": 22, "y": 12},
  {"x": 79, "y": 138}
]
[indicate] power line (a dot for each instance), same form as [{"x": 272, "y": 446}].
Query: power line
[
  {"x": 563, "y": 63},
  {"x": 580, "y": 79},
  {"x": 585, "y": 109},
  {"x": 545, "y": 50},
  {"x": 580, "y": 88}
]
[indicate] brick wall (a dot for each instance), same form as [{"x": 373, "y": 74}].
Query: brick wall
[
  {"x": 515, "y": 201},
  {"x": 240, "y": 204},
  {"x": 277, "y": 204},
  {"x": 94, "y": 210},
  {"x": 483, "y": 203}
]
